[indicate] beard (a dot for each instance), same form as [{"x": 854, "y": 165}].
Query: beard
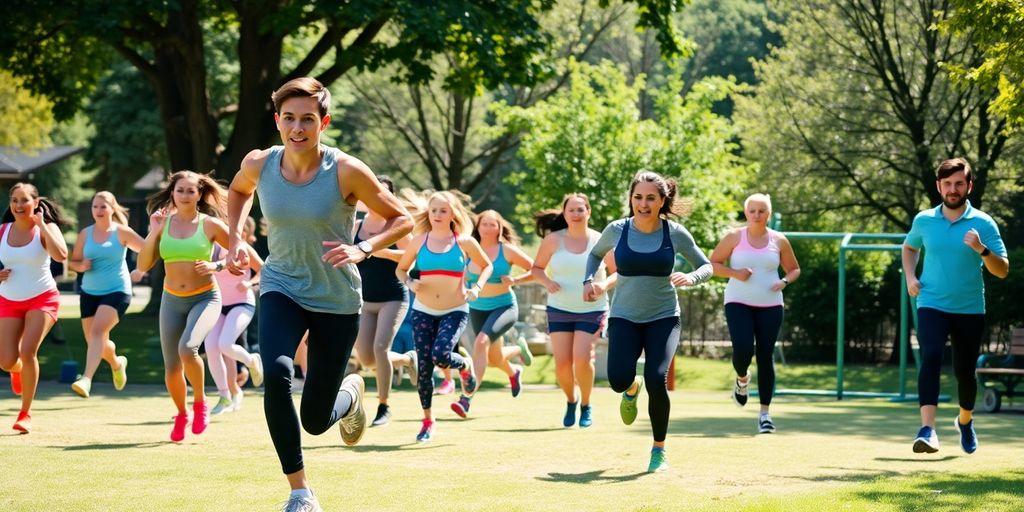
[{"x": 953, "y": 205}]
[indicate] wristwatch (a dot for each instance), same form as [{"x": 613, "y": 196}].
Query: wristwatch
[
  {"x": 986, "y": 252},
  {"x": 219, "y": 266},
  {"x": 365, "y": 246},
  {"x": 784, "y": 280}
]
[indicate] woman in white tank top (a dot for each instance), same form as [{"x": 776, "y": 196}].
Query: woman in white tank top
[
  {"x": 574, "y": 321},
  {"x": 29, "y": 236},
  {"x": 753, "y": 298}
]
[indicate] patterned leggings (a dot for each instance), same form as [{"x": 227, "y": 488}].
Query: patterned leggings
[{"x": 435, "y": 338}]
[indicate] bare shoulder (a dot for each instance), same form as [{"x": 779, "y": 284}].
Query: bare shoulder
[
  {"x": 780, "y": 236},
  {"x": 254, "y": 161},
  {"x": 213, "y": 222},
  {"x": 349, "y": 163},
  {"x": 465, "y": 239}
]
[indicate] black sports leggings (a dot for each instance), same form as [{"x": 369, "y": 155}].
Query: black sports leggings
[
  {"x": 755, "y": 328},
  {"x": 331, "y": 336},
  {"x": 964, "y": 331},
  {"x": 658, "y": 340}
]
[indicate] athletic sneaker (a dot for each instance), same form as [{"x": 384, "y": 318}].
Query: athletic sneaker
[
  {"x": 426, "y": 431},
  {"x": 23, "y": 423},
  {"x": 447, "y": 387},
  {"x": 383, "y": 416},
  {"x": 415, "y": 369},
  {"x": 524, "y": 350},
  {"x": 627, "y": 407},
  {"x": 461, "y": 407},
  {"x": 658, "y": 461},
  {"x": 256, "y": 370},
  {"x": 302, "y": 504},
  {"x": 570, "y": 415},
  {"x": 927, "y": 440},
  {"x": 968, "y": 438},
  {"x": 353, "y": 424},
  {"x": 517, "y": 382},
  {"x": 585, "y": 416},
  {"x": 467, "y": 379},
  {"x": 224, "y": 404},
  {"x": 200, "y": 417},
  {"x": 765, "y": 425},
  {"x": 120, "y": 375},
  {"x": 236, "y": 400},
  {"x": 16, "y": 383},
  {"x": 82, "y": 387},
  {"x": 739, "y": 392},
  {"x": 178, "y": 431}
]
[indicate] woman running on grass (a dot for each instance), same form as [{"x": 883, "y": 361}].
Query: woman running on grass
[
  {"x": 573, "y": 323},
  {"x": 106, "y": 291},
  {"x": 644, "y": 313},
  {"x": 29, "y": 237},
  {"x": 440, "y": 251},
  {"x": 185, "y": 221},
  {"x": 495, "y": 311}
]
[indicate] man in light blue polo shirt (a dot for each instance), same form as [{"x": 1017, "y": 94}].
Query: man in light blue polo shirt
[{"x": 958, "y": 240}]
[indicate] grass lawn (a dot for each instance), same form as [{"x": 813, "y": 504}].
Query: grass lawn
[{"x": 110, "y": 452}]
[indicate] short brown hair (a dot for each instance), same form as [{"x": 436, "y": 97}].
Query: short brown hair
[
  {"x": 952, "y": 166},
  {"x": 304, "y": 87}
]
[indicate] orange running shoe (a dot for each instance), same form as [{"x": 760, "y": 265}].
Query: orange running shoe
[{"x": 24, "y": 423}]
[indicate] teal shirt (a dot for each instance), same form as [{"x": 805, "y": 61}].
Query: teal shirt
[{"x": 952, "y": 277}]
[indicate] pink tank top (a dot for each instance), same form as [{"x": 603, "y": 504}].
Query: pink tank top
[
  {"x": 30, "y": 268},
  {"x": 755, "y": 291},
  {"x": 229, "y": 283}
]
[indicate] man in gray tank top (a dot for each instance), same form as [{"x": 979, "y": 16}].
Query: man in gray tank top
[{"x": 307, "y": 193}]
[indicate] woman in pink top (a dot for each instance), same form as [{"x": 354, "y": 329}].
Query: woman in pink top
[
  {"x": 753, "y": 298},
  {"x": 29, "y": 237}
]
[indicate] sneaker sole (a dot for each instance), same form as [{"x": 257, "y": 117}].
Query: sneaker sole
[
  {"x": 920, "y": 446},
  {"x": 457, "y": 409},
  {"x": 960, "y": 437},
  {"x": 79, "y": 391},
  {"x": 359, "y": 412}
]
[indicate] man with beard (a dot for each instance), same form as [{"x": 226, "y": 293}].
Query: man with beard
[{"x": 958, "y": 240}]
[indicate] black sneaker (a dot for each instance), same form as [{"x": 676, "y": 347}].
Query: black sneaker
[
  {"x": 383, "y": 416},
  {"x": 739, "y": 393}
]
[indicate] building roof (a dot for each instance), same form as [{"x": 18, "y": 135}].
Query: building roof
[{"x": 15, "y": 164}]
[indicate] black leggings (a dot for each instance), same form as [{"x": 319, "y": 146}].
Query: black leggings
[
  {"x": 658, "y": 341},
  {"x": 331, "y": 337},
  {"x": 751, "y": 328},
  {"x": 964, "y": 331}
]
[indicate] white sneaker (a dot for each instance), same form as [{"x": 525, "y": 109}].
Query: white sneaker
[
  {"x": 82, "y": 387},
  {"x": 302, "y": 504},
  {"x": 353, "y": 424},
  {"x": 414, "y": 371},
  {"x": 256, "y": 370},
  {"x": 236, "y": 400}
]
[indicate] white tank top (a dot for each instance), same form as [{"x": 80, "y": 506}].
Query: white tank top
[
  {"x": 757, "y": 290},
  {"x": 567, "y": 268},
  {"x": 30, "y": 268}
]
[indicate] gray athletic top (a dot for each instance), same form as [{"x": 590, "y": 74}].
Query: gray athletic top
[
  {"x": 644, "y": 260},
  {"x": 300, "y": 218}
]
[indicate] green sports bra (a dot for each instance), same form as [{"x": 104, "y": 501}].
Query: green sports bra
[{"x": 194, "y": 248}]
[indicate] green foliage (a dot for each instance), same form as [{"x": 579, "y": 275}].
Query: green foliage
[
  {"x": 993, "y": 25},
  {"x": 67, "y": 181},
  {"x": 589, "y": 138},
  {"x": 1002, "y": 311},
  {"x": 27, "y": 117}
]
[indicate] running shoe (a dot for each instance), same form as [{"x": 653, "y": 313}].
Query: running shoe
[
  {"x": 524, "y": 350},
  {"x": 256, "y": 370},
  {"x": 467, "y": 379},
  {"x": 236, "y": 400},
  {"x": 178, "y": 431},
  {"x": 16, "y": 383},
  {"x": 353, "y": 424},
  {"x": 414, "y": 369},
  {"x": 383, "y": 417},
  {"x": 24, "y": 422},
  {"x": 586, "y": 418},
  {"x": 426, "y": 431},
  {"x": 516, "y": 381},
  {"x": 740, "y": 392},
  {"x": 927, "y": 440},
  {"x": 765, "y": 425},
  {"x": 461, "y": 407},
  {"x": 968, "y": 438},
  {"x": 120, "y": 375},
  {"x": 302, "y": 504},
  {"x": 200, "y": 417},
  {"x": 658, "y": 461},
  {"x": 627, "y": 407},
  {"x": 224, "y": 404},
  {"x": 447, "y": 387},
  {"x": 82, "y": 387},
  {"x": 570, "y": 415}
]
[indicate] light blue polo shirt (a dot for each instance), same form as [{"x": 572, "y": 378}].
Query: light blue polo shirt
[{"x": 952, "y": 277}]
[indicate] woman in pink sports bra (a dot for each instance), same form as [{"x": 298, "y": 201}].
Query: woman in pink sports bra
[
  {"x": 753, "y": 298},
  {"x": 29, "y": 237}
]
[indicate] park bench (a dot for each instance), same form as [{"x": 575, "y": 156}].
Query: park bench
[{"x": 1008, "y": 371}]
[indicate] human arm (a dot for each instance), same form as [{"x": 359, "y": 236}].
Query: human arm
[
  {"x": 722, "y": 253},
  {"x": 479, "y": 258},
  {"x": 789, "y": 264},
  {"x": 78, "y": 263},
  {"x": 240, "y": 194}
]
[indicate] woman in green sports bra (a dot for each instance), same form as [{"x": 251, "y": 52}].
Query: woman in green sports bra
[{"x": 185, "y": 220}]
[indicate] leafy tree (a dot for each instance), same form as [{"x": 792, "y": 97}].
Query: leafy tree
[
  {"x": 855, "y": 111},
  {"x": 590, "y": 138},
  {"x": 994, "y": 26},
  {"x": 27, "y": 117},
  {"x": 67, "y": 182},
  {"x": 62, "y": 48}
]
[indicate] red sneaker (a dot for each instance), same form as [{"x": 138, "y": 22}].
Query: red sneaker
[
  {"x": 24, "y": 423},
  {"x": 16, "y": 383},
  {"x": 178, "y": 432},
  {"x": 201, "y": 417}
]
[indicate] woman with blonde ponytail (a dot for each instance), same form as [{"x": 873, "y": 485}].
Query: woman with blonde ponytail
[{"x": 99, "y": 254}]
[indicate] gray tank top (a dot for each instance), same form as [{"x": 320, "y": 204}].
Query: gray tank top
[{"x": 300, "y": 218}]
